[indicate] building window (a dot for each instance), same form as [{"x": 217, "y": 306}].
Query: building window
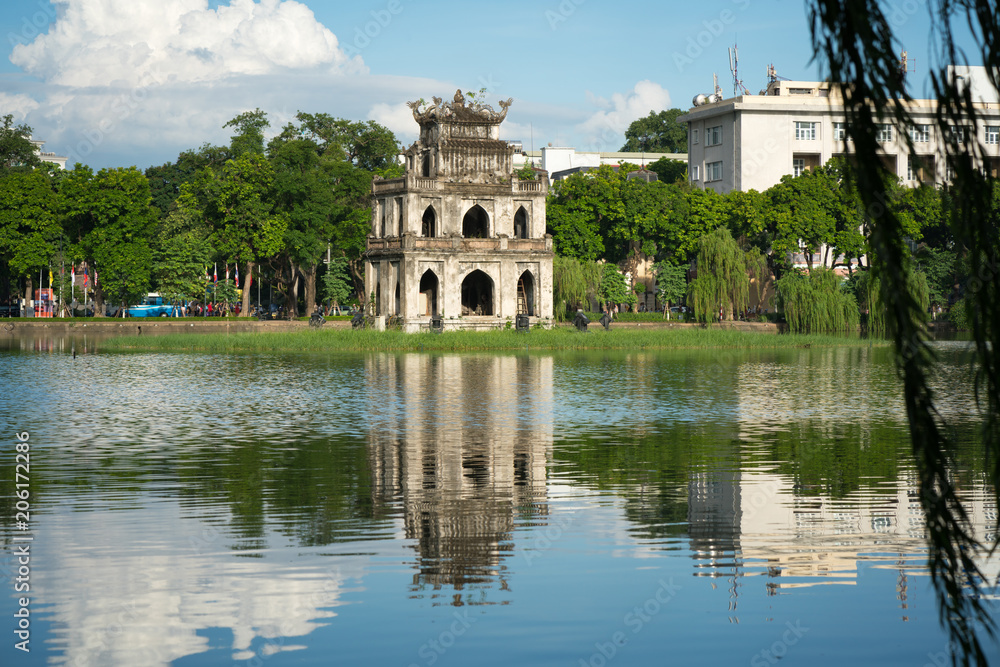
[
  {"x": 840, "y": 131},
  {"x": 959, "y": 134},
  {"x": 694, "y": 136},
  {"x": 920, "y": 133},
  {"x": 993, "y": 134},
  {"x": 884, "y": 133},
  {"x": 713, "y": 136},
  {"x": 920, "y": 168},
  {"x": 805, "y": 131},
  {"x": 713, "y": 171},
  {"x": 798, "y": 166},
  {"x": 694, "y": 172}
]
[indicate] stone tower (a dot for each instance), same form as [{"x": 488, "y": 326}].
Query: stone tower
[{"x": 459, "y": 237}]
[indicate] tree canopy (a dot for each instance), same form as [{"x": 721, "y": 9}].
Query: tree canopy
[{"x": 659, "y": 132}]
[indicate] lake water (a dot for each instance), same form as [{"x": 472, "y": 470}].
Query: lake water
[{"x": 599, "y": 508}]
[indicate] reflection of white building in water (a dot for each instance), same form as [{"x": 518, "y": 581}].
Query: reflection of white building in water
[
  {"x": 800, "y": 535},
  {"x": 464, "y": 441}
]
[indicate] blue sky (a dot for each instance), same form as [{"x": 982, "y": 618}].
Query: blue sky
[{"x": 134, "y": 82}]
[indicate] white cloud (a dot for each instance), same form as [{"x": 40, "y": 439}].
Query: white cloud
[
  {"x": 17, "y": 105},
  {"x": 125, "y": 82},
  {"x": 605, "y": 129},
  {"x": 128, "y": 43},
  {"x": 398, "y": 118}
]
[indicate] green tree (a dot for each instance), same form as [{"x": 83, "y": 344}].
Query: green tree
[
  {"x": 367, "y": 145},
  {"x": 705, "y": 210},
  {"x": 814, "y": 302},
  {"x": 614, "y": 288},
  {"x": 574, "y": 283},
  {"x": 670, "y": 171},
  {"x": 722, "y": 283},
  {"x": 580, "y": 207},
  {"x": 182, "y": 252},
  {"x": 336, "y": 282},
  {"x": 111, "y": 219},
  {"x": 16, "y": 149},
  {"x": 249, "y": 136},
  {"x": 801, "y": 214},
  {"x": 324, "y": 168},
  {"x": 246, "y": 227},
  {"x": 29, "y": 227},
  {"x": 671, "y": 284},
  {"x": 659, "y": 132},
  {"x": 166, "y": 180},
  {"x": 856, "y": 41}
]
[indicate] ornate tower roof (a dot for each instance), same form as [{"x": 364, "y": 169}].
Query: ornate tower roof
[{"x": 462, "y": 140}]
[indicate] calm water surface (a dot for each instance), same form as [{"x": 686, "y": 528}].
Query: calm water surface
[{"x": 722, "y": 507}]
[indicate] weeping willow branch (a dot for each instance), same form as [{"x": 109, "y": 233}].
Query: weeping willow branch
[
  {"x": 855, "y": 41},
  {"x": 815, "y": 303},
  {"x": 722, "y": 283}
]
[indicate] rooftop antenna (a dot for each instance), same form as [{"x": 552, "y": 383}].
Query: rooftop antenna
[
  {"x": 718, "y": 88},
  {"x": 734, "y": 67},
  {"x": 904, "y": 64},
  {"x": 773, "y": 77}
]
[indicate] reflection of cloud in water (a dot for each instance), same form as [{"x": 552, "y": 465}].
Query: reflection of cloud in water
[{"x": 146, "y": 594}]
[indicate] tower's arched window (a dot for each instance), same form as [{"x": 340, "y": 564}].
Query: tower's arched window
[
  {"x": 428, "y": 225},
  {"x": 477, "y": 294},
  {"x": 476, "y": 224},
  {"x": 521, "y": 224},
  {"x": 526, "y": 294},
  {"x": 429, "y": 293}
]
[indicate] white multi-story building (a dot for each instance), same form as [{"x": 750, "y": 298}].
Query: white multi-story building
[
  {"x": 57, "y": 160},
  {"x": 751, "y": 141}
]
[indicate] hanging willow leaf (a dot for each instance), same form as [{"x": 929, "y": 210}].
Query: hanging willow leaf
[{"x": 855, "y": 40}]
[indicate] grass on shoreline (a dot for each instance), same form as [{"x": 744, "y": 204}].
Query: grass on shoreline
[{"x": 560, "y": 338}]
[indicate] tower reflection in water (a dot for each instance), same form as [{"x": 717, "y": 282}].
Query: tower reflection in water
[{"x": 460, "y": 443}]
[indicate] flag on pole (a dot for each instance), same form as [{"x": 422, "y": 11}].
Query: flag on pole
[
  {"x": 95, "y": 278},
  {"x": 72, "y": 275},
  {"x": 86, "y": 277},
  {"x": 227, "y": 273},
  {"x": 50, "y": 278},
  {"x": 237, "y": 278},
  {"x": 215, "y": 272}
]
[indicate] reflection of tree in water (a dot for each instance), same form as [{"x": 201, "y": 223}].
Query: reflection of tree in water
[{"x": 466, "y": 456}]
